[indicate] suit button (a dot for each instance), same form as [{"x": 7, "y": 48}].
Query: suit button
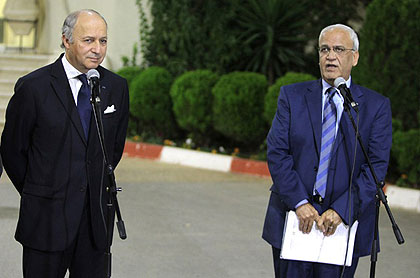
[
  {"x": 82, "y": 189},
  {"x": 88, "y": 162},
  {"x": 316, "y": 168}
]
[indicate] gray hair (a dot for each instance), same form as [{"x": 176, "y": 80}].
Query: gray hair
[
  {"x": 70, "y": 22},
  {"x": 350, "y": 31}
]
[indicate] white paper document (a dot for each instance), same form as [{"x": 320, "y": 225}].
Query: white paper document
[{"x": 315, "y": 247}]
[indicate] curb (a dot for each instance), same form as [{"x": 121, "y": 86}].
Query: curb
[
  {"x": 397, "y": 197},
  {"x": 405, "y": 198},
  {"x": 197, "y": 159}
]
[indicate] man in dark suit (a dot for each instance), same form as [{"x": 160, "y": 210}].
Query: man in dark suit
[
  {"x": 51, "y": 152},
  {"x": 299, "y": 163}
]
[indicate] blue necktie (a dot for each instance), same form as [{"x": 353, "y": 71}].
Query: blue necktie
[
  {"x": 83, "y": 104},
  {"x": 327, "y": 141}
]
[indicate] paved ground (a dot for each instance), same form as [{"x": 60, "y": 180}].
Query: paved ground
[{"x": 183, "y": 223}]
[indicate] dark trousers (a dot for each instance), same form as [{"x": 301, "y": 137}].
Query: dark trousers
[
  {"x": 81, "y": 258},
  {"x": 299, "y": 269}
]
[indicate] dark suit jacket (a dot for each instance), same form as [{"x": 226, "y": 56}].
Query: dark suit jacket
[
  {"x": 294, "y": 143},
  {"x": 49, "y": 161}
]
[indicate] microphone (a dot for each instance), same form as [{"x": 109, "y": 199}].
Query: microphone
[
  {"x": 340, "y": 83},
  {"x": 93, "y": 77}
]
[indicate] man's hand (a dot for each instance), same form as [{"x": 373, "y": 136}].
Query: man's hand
[
  {"x": 328, "y": 222},
  {"x": 306, "y": 214}
]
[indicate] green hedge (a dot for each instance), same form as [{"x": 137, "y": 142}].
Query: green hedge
[
  {"x": 129, "y": 73},
  {"x": 406, "y": 152},
  {"x": 270, "y": 100},
  {"x": 151, "y": 104},
  {"x": 192, "y": 103},
  {"x": 389, "y": 56},
  {"x": 238, "y": 107},
  {"x": 389, "y": 63}
]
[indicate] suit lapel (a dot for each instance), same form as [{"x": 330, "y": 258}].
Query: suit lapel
[
  {"x": 105, "y": 87},
  {"x": 62, "y": 89},
  {"x": 313, "y": 99}
]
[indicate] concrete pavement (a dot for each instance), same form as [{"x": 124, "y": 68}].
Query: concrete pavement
[
  {"x": 398, "y": 197},
  {"x": 185, "y": 222}
]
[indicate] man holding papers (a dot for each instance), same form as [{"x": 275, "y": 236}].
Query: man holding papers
[{"x": 317, "y": 167}]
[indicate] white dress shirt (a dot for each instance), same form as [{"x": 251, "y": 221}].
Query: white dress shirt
[{"x": 72, "y": 74}]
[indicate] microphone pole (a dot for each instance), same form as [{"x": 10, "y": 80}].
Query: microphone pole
[
  {"x": 93, "y": 77},
  {"x": 380, "y": 195}
]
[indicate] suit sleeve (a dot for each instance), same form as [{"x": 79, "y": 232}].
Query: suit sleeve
[
  {"x": 1, "y": 166},
  {"x": 378, "y": 148},
  {"x": 286, "y": 181},
  {"x": 20, "y": 119},
  {"x": 122, "y": 126}
]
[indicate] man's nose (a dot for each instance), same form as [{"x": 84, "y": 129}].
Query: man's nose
[{"x": 96, "y": 47}]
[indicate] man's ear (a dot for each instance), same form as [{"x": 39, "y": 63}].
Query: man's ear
[
  {"x": 355, "y": 58},
  {"x": 65, "y": 41}
]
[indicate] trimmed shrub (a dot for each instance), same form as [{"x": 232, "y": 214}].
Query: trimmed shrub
[
  {"x": 406, "y": 151},
  {"x": 129, "y": 73},
  {"x": 151, "y": 104},
  {"x": 192, "y": 103},
  {"x": 270, "y": 100},
  {"x": 238, "y": 106}
]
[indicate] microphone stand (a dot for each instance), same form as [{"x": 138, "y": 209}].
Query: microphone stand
[
  {"x": 379, "y": 197},
  {"x": 112, "y": 189}
]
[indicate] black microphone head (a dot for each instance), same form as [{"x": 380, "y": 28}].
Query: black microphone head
[
  {"x": 339, "y": 81},
  {"x": 92, "y": 73}
]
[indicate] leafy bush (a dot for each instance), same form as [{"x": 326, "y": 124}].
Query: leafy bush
[
  {"x": 270, "y": 35},
  {"x": 192, "y": 103},
  {"x": 131, "y": 62},
  {"x": 267, "y": 36},
  {"x": 270, "y": 100},
  {"x": 389, "y": 62},
  {"x": 238, "y": 107},
  {"x": 189, "y": 35},
  {"x": 406, "y": 150},
  {"x": 129, "y": 73},
  {"x": 151, "y": 104}
]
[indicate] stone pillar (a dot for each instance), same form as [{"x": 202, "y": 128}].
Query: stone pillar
[{"x": 53, "y": 13}]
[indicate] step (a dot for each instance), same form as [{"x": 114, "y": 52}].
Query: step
[
  {"x": 4, "y": 99},
  {"x": 13, "y": 73},
  {"x": 31, "y": 61},
  {"x": 7, "y": 85},
  {"x": 2, "y": 114}
]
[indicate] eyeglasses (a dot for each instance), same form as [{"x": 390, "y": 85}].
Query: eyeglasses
[{"x": 339, "y": 50}]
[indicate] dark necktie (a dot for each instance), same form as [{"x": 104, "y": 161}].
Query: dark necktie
[
  {"x": 83, "y": 104},
  {"x": 327, "y": 141}
]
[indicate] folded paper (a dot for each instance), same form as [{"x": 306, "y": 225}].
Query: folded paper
[{"x": 315, "y": 247}]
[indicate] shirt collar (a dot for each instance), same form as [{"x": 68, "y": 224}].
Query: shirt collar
[
  {"x": 71, "y": 71},
  {"x": 326, "y": 86}
]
